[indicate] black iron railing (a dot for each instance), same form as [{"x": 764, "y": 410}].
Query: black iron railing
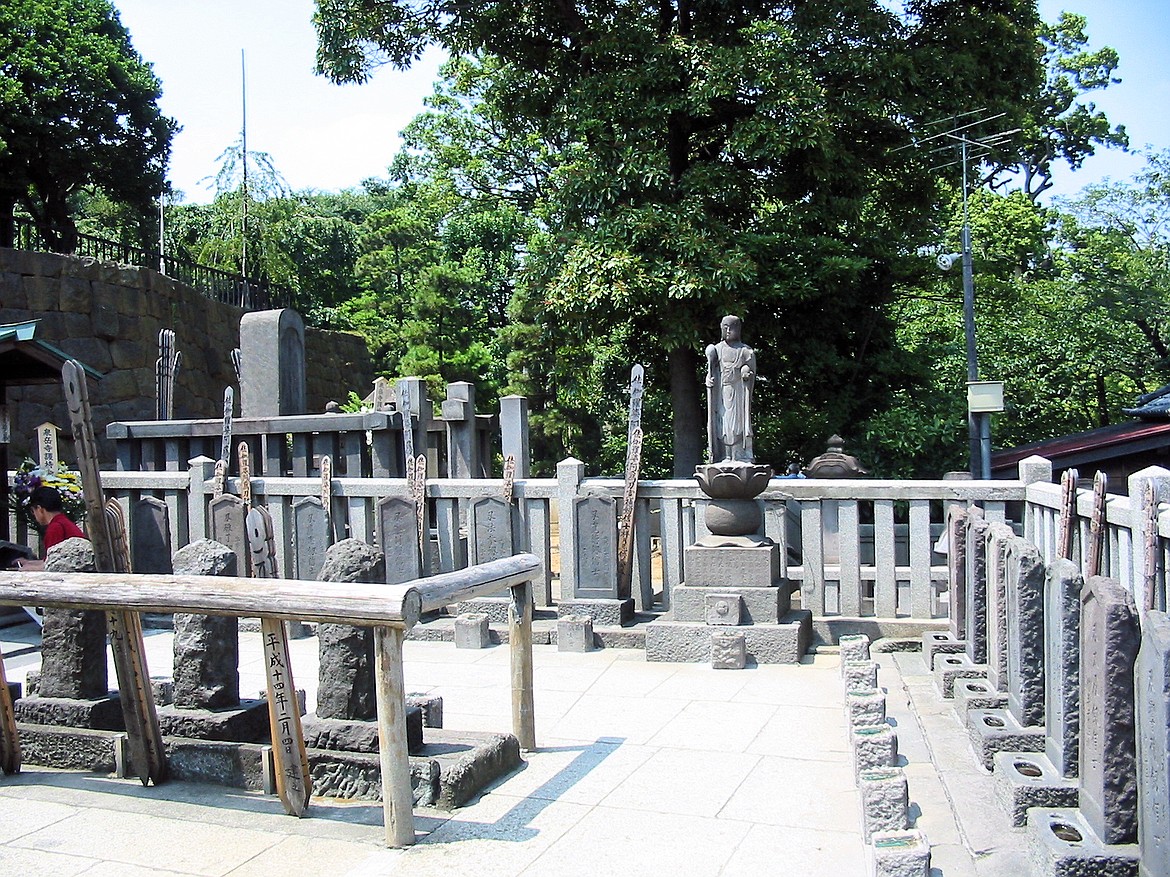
[{"x": 215, "y": 283}]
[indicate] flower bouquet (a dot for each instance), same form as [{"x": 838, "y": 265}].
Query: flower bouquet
[{"x": 66, "y": 481}]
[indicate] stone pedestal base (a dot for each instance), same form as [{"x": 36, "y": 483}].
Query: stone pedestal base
[
  {"x": 575, "y": 633},
  {"x": 940, "y": 642},
  {"x": 734, "y": 566},
  {"x": 246, "y": 724},
  {"x": 993, "y": 731},
  {"x": 756, "y": 605},
  {"x": 1026, "y": 779},
  {"x": 471, "y": 631},
  {"x": 690, "y": 642},
  {"x": 948, "y": 668},
  {"x": 1061, "y": 844},
  {"x": 104, "y": 714},
  {"x": 354, "y": 735},
  {"x": 976, "y": 694},
  {"x": 605, "y": 613},
  {"x": 495, "y": 608}
]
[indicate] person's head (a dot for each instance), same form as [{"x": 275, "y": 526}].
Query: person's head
[
  {"x": 44, "y": 504},
  {"x": 731, "y": 328}
]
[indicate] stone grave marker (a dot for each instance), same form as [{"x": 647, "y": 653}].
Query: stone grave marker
[
  {"x": 272, "y": 363},
  {"x": 998, "y": 537},
  {"x": 595, "y": 521},
  {"x": 1152, "y": 689},
  {"x": 206, "y": 647},
  {"x": 1108, "y": 759},
  {"x": 398, "y": 537},
  {"x": 150, "y": 535},
  {"x": 957, "y": 571},
  {"x": 1062, "y": 665},
  {"x": 311, "y": 538},
  {"x": 492, "y": 528},
  {"x": 1025, "y": 632},
  {"x": 229, "y": 527},
  {"x": 976, "y": 588}
]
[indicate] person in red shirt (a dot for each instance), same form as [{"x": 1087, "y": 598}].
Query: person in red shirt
[{"x": 44, "y": 504}]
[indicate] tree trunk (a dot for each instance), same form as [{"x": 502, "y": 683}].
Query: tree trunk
[
  {"x": 7, "y": 226},
  {"x": 689, "y": 431}
]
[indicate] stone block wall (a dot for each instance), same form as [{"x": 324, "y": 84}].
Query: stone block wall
[{"x": 109, "y": 316}]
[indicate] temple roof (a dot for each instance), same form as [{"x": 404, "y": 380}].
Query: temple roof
[{"x": 26, "y": 359}]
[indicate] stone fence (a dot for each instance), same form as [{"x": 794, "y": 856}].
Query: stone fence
[{"x": 109, "y": 317}]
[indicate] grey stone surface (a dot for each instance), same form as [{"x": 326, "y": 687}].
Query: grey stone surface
[
  {"x": 950, "y": 668},
  {"x": 1108, "y": 757},
  {"x": 728, "y": 650},
  {"x": 238, "y": 765},
  {"x": 995, "y": 545},
  {"x": 1062, "y": 665},
  {"x": 885, "y": 801},
  {"x": 859, "y": 674},
  {"x": 595, "y": 528},
  {"x": 956, "y": 526},
  {"x": 975, "y": 694},
  {"x": 723, "y": 610},
  {"x": 875, "y": 747},
  {"x": 1152, "y": 687},
  {"x": 358, "y": 775},
  {"x": 854, "y": 647},
  {"x": 495, "y": 608},
  {"x": 865, "y": 706},
  {"x": 994, "y": 731},
  {"x": 1062, "y": 844},
  {"x": 73, "y": 643},
  {"x": 246, "y": 722},
  {"x": 737, "y": 566},
  {"x": 70, "y": 748},
  {"x": 471, "y": 631},
  {"x": 575, "y": 633},
  {"x": 1025, "y": 632},
  {"x": 359, "y": 736},
  {"x": 150, "y": 536},
  {"x": 206, "y": 647},
  {"x": 783, "y": 643},
  {"x": 605, "y": 613},
  {"x": 757, "y": 605},
  {"x": 901, "y": 854},
  {"x": 430, "y": 708},
  {"x": 1027, "y": 779},
  {"x": 492, "y": 527},
  {"x": 229, "y": 528},
  {"x": 976, "y": 588},
  {"x": 346, "y": 653},
  {"x": 310, "y": 538},
  {"x": 938, "y": 642},
  {"x": 99, "y": 713},
  {"x": 398, "y": 536},
  {"x": 272, "y": 366}
]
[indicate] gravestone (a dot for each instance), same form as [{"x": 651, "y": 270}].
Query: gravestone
[
  {"x": 150, "y": 536},
  {"x": 206, "y": 646},
  {"x": 1152, "y": 688},
  {"x": 272, "y": 363},
  {"x": 957, "y": 571},
  {"x": 311, "y": 538},
  {"x": 491, "y": 522},
  {"x": 398, "y": 537},
  {"x": 1062, "y": 665},
  {"x": 1108, "y": 758},
  {"x": 595, "y": 523},
  {"x": 976, "y": 587},
  {"x": 1025, "y": 632},
  {"x": 229, "y": 527},
  {"x": 996, "y": 544}
]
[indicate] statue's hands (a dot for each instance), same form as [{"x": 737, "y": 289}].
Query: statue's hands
[
  {"x": 747, "y": 373},
  {"x": 710, "y": 381}
]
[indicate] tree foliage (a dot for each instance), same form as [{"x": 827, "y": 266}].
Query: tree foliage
[{"x": 78, "y": 107}]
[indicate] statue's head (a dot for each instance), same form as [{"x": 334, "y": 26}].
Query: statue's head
[{"x": 731, "y": 328}]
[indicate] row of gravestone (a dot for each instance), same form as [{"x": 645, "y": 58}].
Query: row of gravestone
[{"x": 1064, "y": 690}]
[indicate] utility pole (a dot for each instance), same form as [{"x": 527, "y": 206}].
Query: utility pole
[{"x": 244, "y": 189}]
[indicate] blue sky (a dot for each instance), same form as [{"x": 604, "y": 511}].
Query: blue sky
[{"x": 323, "y": 136}]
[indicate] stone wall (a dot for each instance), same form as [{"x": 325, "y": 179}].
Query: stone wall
[{"x": 108, "y": 316}]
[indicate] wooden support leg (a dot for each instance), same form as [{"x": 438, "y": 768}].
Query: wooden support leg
[
  {"x": 293, "y": 781},
  {"x": 147, "y": 756},
  {"x": 397, "y": 800},
  {"x": 520, "y": 640},
  {"x": 9, "y": 742}
]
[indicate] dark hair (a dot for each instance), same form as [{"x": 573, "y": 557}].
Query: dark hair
[{"x": 45, "y": 497}]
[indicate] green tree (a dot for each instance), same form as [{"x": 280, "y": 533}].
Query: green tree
[
  {"x": 78, "y": 107},
  {"x": 685, "y": 160}
]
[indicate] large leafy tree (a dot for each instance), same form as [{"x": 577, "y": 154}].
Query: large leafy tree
[
  {"x": 685, "y": 159},
  {"x": 78, "y": 107}
]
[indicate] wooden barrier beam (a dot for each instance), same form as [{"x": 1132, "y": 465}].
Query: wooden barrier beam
[{"x": 481, "y": 580}]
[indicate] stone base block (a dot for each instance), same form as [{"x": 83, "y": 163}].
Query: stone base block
[
  {"x": 246, "y": 724},
  {"x": 686, "y": 642},
  {"x": 976, "y": 694},
  {"x": 736, "y": 566},
  {"x": 728, "y": 650},
  {"x": 875, "y": 747},
  {"x": 885, "y": 801},
  {"x": 359, "y": 775},
  {"x": 757, "y": 605},
  {"x": 853, "y": 647},
  {"x": 431, "y": 707},
  {"x": 575, "y": 633},
  {"x": 104, "y": 714},
  {"x": 940, "y": 642},
  {"x": 865, "y": 706},
  {"x": 860, "y": 674},
  {"x": 355, "y": 735},
  {"x": 605, "y": 613},
  {"x": 1061, "y": 844},
  {"x": 948, "y": 668},
  {"x": 71, "y": 748},
  {"x": 993, "y": 731},
  {"x": 1024, "y": 780},
  {"x": 239, "y": 765},
  {"x": 495, "y": 608},
  {"x": 468, "y": 762},
  {"x": 901, "y": 854},
  {"x": 471, "y": 631}
]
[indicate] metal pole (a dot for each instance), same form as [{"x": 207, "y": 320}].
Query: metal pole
[
  {"x": 980, "y": 451},
  {"x": 244, "y": 191}
]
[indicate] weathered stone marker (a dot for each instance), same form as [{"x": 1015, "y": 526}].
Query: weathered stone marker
[
  {"x": 595, "y": 520},
  {"x": 397, "y": 536},
  {"x": 229, "y": 528},
  {"x": 206, "y": 647},
  {"x": 311, "y": 540},
  {"x": 1152, "y": 689},
  {"x": 1062, "y": 666},
  {"x": 976, "y": 588},
  {"x": 150, "y": 536},
  {"x": 1025, "y": 632},
  {"x": 272, "y": 363}
]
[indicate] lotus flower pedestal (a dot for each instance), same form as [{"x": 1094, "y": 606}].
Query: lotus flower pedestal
[{"x": 733, "y": 584}]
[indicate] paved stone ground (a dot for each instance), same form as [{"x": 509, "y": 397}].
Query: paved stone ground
[{"x": 647, "y": 769}]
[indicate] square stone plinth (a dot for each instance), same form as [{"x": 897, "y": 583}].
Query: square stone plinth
[
  {"x": 1062, "y": 844},
  {"x": 605, "y": 613},
  {"x": 1027, "y": 779},
  {"x": 757, "y": 605},
  {"x": 690, "y": 642},
  {"x": 993, "y": 731},
  {"x": 736, "y": 566}
]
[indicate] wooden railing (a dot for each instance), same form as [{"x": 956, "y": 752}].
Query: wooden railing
[{"x": 390, "y": 609}]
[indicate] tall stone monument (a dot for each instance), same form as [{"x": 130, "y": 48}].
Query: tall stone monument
[
  {"x": 272, "y": 363},
  {"x": 732, "y": 586}
]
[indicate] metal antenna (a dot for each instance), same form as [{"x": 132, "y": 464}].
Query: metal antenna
[{"x": 244, "y": 158}]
